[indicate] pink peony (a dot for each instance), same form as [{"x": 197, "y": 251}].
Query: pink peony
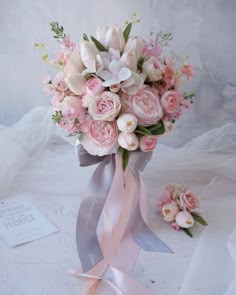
[
  {"x": 188, "y": 201},
  {"x": 170, "y": 101},
  {"x": 94, "y": 86},
  {"x": 144, "y": 105},
  {"x": 101, "y": 137},
  {"x": 147, "y": 143},
  {"x": 105, "y": 107}
]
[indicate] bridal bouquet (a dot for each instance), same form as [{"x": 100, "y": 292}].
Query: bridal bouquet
[{"x": 117, "y": 93}]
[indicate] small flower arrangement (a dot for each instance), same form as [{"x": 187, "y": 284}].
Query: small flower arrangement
[
  {"x": 180, "y": 206},
  {"x": 117, "y": 92}
]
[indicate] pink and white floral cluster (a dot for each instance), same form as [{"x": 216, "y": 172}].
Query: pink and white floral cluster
[
  {"x": 116, "y": 90},
  {"x": 179, "y": 206}
]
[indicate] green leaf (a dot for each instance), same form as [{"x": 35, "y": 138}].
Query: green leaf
[
  {"x": 199, "y": 219},
  {"x": 187, "y": 231},
  {"x": 98, "y": 44},
  {"x": 142, "y": 130},
  {"x": 85, "y": 37},
  {"x": 157, "y": 129},
  {"x": 124, "y": 158},
  {"x": 127, "y": 31}
]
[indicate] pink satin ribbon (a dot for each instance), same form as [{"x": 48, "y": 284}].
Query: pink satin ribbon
[{"x": 118, "y": 246}]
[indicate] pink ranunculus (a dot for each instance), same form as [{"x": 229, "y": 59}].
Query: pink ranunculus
[
  {"x": 187, "y": 70},
  {"x": 188, "y": 201},
  {"x": 105, "y": 107},
  {"x": 94, "y": 86},
  {"x": 101, "y": 137},
  {"x": 144, "y": 105},
  {"x": 170, "y": 101},
  {"x": 148, "y": 143}
]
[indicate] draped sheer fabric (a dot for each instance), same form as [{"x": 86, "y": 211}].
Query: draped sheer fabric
[{"x": 38, "y": 159}]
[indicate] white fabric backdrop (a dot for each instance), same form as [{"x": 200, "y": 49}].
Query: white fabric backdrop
[{"x": 203, "y": 29}]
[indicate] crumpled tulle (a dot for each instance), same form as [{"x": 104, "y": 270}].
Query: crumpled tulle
[{"x": 207, "y": 164}]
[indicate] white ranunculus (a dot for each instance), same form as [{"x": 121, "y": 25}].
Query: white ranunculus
[
  {"x": 74, "y": 64},
  {"x": 114, "y": 38},
  {"x": 169, "y": 211},
  {"x": 128, "y": 141},
  {"x": 134, "y": 44},
  {"x": 127, "y": 123},
  {"x": 88, "y": 52},
  {"x": 184, "y": 219},
  {"x": 76, "y": 83}
]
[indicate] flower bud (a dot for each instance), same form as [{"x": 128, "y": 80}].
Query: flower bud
[
  {"x": 127, "y": 123},
  {"x": 128, "y": 141},
  {"x": 88, "y": 52},
  {"x": 169, "y": 211},
  {"x": 134, "y": 44},
  {"x": 114, "y": 38},
  {"x": 101, "y": 33},
  {"x": 184, "y": 219}
]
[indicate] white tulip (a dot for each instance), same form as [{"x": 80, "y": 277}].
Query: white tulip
[
  {"x": 76, "y": 83},
  {"x": 127, "y": 123},
  {"x": 169, "y": 211},
  {"x": 114, "y": 38},
  {"x": 135, "y": 44},
  {"x": 130, "y": 60},
  {"x": 88, "y": 52},
  {"x": 101, "y": 33},
  {"x": 184, "y": 219},
  {"x": 74, "y": 64},
  {"x": 128, "y": 141}
]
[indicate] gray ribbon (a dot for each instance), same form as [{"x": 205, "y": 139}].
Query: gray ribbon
[
  {"x": 92, "y": 205},
  {"x": 88, "y": 246}
]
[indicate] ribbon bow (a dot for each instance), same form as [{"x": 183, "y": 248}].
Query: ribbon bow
[{"x": 120, "y": 198}]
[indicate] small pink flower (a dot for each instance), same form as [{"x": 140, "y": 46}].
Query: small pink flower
[
  {"x": 175, "y": 226},
  {"x": 144, "y": 105},
  {"x": 170, "y": 101},
  {"x": 188, "y": 201},
  {"x": 187, "y": 70},
  {"x": 49, "y": 89},
  {"x": 94, "y": 86},
  {"x": 59, "y": 82},
  {"x": 152, "y": 48},
  {"x": 101, "y": 137},
  {"x": 148, "y": 143}
]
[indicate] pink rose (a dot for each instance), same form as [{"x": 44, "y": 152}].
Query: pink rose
[
  {"x": 105, "y": 107},
  {"x": 188, "y": 201},
  {"x": 94, "y": 86},
  {"x": 170, "y": 101},
  {"x": 147, "y": 143},
  {"x": 101, "y": 137},
  {"x": 144, "y": 105}
]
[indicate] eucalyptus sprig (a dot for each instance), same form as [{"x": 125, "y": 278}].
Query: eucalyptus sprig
[
  {"x": 58, "y": 31},
  {"x": 190, "y": 96}
]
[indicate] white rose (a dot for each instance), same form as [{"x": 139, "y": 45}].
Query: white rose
[
  {"x": 151, "y": 68},
  {"x": 127, "y": 123},
  {"x": 169, "y": 211},
  {"x": 115, "y": 38},
  {"x": 128, "y": 141},
  {"x": 184, "y": 219},
  {"x": 134, "y": 44}
]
